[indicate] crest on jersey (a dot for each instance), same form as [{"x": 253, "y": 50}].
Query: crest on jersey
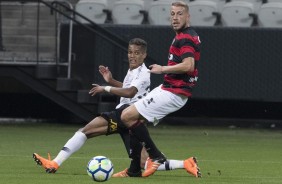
[{"x": 170, "y": 57}]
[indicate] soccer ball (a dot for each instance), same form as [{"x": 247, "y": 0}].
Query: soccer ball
[{"x": 100, "y": 168}]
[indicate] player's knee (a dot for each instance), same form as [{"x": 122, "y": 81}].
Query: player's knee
[
  {"x": 129, "y": 116},
  {"x": 125, "y": 118}
]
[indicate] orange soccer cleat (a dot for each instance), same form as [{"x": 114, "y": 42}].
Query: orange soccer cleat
[
  {"x": 153, "y": 165},
  {"x": 125, "y": 173},
  {"x": 49, "y": 165},
  {"x": 191, "y": 167},
  {"x": 121, "y": 174}
]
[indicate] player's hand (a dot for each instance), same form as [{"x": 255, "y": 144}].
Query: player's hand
[
  {"x": 106, "y": 73},
  {"x": 156, "y": 69},
  {"x": 96, "y": 89}
]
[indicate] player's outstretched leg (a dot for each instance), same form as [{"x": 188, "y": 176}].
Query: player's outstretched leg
[
  {"x": 191, "y": 167},
  {"x": 49, "y": 165}
]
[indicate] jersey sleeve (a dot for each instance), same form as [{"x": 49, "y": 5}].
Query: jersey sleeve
[{"x": 187, "y": 49}]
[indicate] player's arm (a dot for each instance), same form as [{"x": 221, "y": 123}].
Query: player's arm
[
  {"x": 115, "y": 83},
  {"x": 124, "y": 92},
  {"x": 121, "y": 92},
  {"x": 143, "y": 80},
  {"x": 186, "y": 66}
]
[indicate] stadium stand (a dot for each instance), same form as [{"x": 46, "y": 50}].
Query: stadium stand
[
  {"x": 220, "y": 3},
  {"x": 111, "y": 4},
  {"x": 257, "y": 4},
  {"x": 95, "y": 10},
  {"x": 273, "y": 1},
  {"x": 128, "y": 12},
  {"x": 19, "y": 29},
  {"x": 204, "y": 13},
  {"x": 270, "y": 15},
  {"x": 238, "y": 14},
  {"x": 147, "y": 4},
  {"x": 19, "y": 60},
  {"x": 159, "y": 12}
]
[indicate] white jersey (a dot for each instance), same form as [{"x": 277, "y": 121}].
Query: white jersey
[{"x": 139, "y": 78}]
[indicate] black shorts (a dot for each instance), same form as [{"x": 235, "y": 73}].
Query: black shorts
[{"x": 115, "y": 125}]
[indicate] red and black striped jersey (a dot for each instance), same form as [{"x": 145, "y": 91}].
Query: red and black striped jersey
[{"x": 185, "y": 44}]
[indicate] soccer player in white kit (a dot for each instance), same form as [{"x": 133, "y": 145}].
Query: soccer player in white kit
[{"x": 135, "y": 86}]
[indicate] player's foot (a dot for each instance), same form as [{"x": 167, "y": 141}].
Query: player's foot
[
  {"x": 125, "y": 173},
  {"x": 121, "y": 174},
  {"x": 49, "y": 165},
  {"x": 191, "y": 167},
  {"x": 152, "y": 165}
]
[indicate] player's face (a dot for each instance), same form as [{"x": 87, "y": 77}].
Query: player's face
[
  {"x": 179, "y": 18},
  {"x": 136, "y": 56}
]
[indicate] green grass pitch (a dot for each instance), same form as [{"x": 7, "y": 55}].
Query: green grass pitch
[{"x": 226, "y": 156}]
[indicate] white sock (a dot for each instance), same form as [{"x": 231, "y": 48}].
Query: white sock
[
  {"x": 170, "y": 165},
  {"x": 73, "y": 144}
]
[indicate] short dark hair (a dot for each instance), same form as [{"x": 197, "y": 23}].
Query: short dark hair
[
  {"x": 140, "y": 42},
  {"x": 182, "y": 4}
]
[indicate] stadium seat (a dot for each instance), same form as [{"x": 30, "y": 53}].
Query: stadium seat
[
  {"x": 273, "y": 1},
  {"x": 220, "y": 3},
  {"x": 147, "y": 4},
  {"x": 186, "y": 1},
  {"x": 203, "y": 13},
  {"x": 128, "y": 12},
  {"x": 159, "y": 12},
  {"x": 270, "y": 15},
  {"x": 95, "y": 10},
  {"x": 111, "y": 3},
  {"x": 238, "y": 14},
  {"x": 257, "y": 3}
]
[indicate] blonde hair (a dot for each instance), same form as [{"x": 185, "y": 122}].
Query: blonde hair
[{"x": 182, "y": 4}]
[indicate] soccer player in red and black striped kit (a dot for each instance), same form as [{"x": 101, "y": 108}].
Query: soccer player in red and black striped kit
[{"x": 180, "y": 77}]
